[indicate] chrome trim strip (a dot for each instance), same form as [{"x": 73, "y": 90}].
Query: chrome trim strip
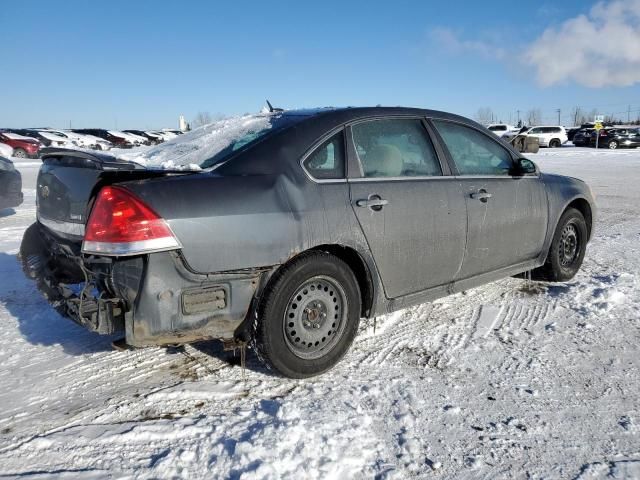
[
  {"x": 519, "y": 177},
  {"x": 404, "y": 179},
  {"x": 68, "y": 228},
  {"x": 124, "y": 249},
  {"x": 439, "y": 177}
]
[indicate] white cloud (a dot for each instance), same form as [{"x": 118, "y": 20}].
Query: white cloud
[
  {"x": 596, "y": 50},
  {"x": 451, "y": 41}
]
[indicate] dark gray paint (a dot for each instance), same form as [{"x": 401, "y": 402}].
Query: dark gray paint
[{"x": 260, "y": 209}]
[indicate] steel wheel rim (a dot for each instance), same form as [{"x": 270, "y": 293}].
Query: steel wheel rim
[
  {"x": 315, "y": 317},
  {"x": 569, "y": 245}
]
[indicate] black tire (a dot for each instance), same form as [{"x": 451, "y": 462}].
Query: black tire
[
  {"x": 562, "y": 264},
  {"x": 555, "y": 143},
  {"x": 613, "y": 145},
  {"x": 274, "y": 339},
  {"x": 19, "y": 153}
]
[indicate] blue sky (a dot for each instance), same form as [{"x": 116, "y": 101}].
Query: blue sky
[{"x": 139, "y": 64}]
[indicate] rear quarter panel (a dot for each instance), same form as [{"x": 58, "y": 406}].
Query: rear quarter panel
[{"x": 243, "y": 222}]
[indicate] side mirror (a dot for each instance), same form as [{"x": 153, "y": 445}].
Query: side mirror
[{"x": 526, "y": 166}]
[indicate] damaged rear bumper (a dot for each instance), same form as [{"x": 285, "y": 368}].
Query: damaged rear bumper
[{"x": 153, "y": 299}]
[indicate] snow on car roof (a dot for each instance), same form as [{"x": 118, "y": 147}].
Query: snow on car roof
[
  {"x": 16, "y": 136},
  {"x": 190, "y": 150}
]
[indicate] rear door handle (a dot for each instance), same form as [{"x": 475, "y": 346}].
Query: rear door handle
[
  {"x": 374, "y": 202},
  {"x": 482, "y": 195}
]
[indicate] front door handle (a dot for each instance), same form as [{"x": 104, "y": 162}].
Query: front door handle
[
  {"x": 481, "y": 195},
  {"x": 374, "y": 202}
]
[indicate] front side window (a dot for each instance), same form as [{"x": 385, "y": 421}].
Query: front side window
[
  {"x": 327, "y": 161},
  {"x": 473, "y": 152},
  {"x": 395, "y": 148}
]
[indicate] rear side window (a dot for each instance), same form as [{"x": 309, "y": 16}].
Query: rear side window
[
  {"x": 327, "y": 161},
  {"x": 473, "y": 152},
  {"x": 395, "y": 148}
]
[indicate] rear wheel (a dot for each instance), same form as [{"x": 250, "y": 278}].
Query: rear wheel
[
  {"x": 567, "y": 249},
  {"x": 613, "y": 145},
  {"x": 308, "y": 316},
  {"x": 19, "y": 153}
]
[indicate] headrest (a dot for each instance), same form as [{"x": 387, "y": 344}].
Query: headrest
[{"x": 383, "y": 161}]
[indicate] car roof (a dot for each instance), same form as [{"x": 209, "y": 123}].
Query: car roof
[{"x": 354, "y": 113}]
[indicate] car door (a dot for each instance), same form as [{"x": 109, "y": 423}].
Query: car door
[
  {"x": 507, "y": 214},
  {"x": 410, "y": 208}
]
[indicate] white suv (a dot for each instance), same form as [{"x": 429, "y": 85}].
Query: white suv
[
  {"x": 502, "y": 129},
  {"x": 551, "y": 136}
]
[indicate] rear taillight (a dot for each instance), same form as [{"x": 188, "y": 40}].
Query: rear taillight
[{"x": 122, "y": 224}]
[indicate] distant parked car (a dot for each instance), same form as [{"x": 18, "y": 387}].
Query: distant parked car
[
  {"x": 10, "y": 184},
  {"x": 613, "y": 138},
  {"x": 137, "y": 140},
  {"x": 45, "y": 142},
  {"x": 173, "y": 130},
  {"x": 51, "y": 139},
  {"x": 548, "y": 136},
  {"x": 295, "y": 226},
  {"x": 81, "y": 140},
  {"x": 117, "y": 140},
  {"x": 582, "y": 138},
  {"x": 70, "y": 138},
  {"x": 500, "y": 129},
  {"x": 152, "y": 137},
  {"x": 165, "y": 135},
  {"x": 572, "y": 132},
  {"x": 23, "y": 147}
]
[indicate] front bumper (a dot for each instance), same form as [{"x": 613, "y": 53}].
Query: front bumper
[{"x": 153, "y": 299}]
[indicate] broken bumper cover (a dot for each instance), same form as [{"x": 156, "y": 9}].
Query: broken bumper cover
[
  {"x": 176, "y": 305},
  {"x": 153, "y": 299}
]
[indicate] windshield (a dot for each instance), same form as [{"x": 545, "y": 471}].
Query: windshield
[{"x": 211, "y": 144}]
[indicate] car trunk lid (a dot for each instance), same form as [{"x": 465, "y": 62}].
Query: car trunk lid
[{"x": 68, "y": 182}]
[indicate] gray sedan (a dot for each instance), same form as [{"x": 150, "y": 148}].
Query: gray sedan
[{"x": 296, "y": 225}]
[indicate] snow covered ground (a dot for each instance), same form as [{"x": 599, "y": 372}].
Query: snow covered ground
[{"x": 503, "y": 381}]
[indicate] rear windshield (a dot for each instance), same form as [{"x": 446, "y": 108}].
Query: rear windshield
[{"x": 212, "y": 144}]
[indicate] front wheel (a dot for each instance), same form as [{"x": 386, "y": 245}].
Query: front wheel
[
  {"x": 554, "y": 143},
  {"x": 20, "y": 153},
  {"x": 613, "y": 145},
  {"x": 567, "y": 249},
  {"x": 308, "y": 316}
]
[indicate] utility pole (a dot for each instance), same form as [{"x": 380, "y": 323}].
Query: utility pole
[
  {"x": 558, "y": 110},
  {"x": 628, "y": 114},
  {"x": 518, "y": 112}
]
